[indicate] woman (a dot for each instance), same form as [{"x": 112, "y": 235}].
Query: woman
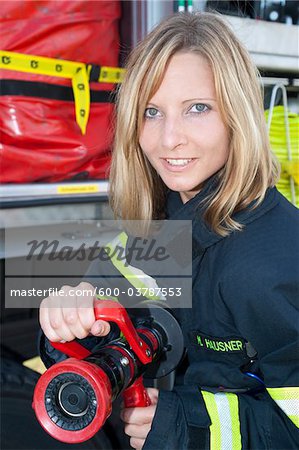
[{"x": 191, "y": 143}]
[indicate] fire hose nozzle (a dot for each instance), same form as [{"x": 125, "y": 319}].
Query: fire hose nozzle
[{"x": 72, "y": 400}]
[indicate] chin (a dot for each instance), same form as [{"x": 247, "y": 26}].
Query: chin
[{"x": 183, "y": 187}]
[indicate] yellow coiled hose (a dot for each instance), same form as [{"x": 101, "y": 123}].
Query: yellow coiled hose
[{"x": 278, "y": 141}]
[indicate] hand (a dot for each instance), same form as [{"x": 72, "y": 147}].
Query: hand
[
  {"x": 69, "y": 316},
  {"x": 138, "y": 421}
]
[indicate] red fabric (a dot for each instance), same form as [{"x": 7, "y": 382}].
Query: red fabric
[{"x": 40, "y": 139}]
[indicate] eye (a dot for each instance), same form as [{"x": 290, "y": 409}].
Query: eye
[
  {"x": 199, "y": 108},
  {"x": 151, "y": 113}
]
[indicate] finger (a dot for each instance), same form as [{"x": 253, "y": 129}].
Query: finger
[
  {"x": 46, "y": 314},
  {"x": 153, "y": 394},
  {"x": 46, "y": 326},
  {"x": 59, "y": 326},
  {"x": 71, "y": 317},
  {"x": 138, "y": 431},
  {"x": 136, "y": 443},
  {"x": 72, "y": 322},
  {"x": 86, "y": 311},
  {"x": 85, "y": 306},
  {"x": 100, "y": 328},
  {"x": 138, "y": 416}
]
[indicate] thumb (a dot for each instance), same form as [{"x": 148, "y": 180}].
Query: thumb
[{"x": 100, "y": 328}]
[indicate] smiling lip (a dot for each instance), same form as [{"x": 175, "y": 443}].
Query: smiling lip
[{"x": 177, "y": 164}]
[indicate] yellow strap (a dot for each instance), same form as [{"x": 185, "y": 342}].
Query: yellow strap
[
  {"x": 111, "y": 75},
  {"x": 76, "y": 71},
  {"x": 82, "y": 98}
]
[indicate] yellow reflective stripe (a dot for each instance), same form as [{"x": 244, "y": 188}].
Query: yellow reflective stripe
[
  {"x": 287, "y": 398},
  {"x": 78, "y": 72},
  {"x": 102, "y": 297},
  {"x": 234, "y": 413},
  {"x": 123, "y": 238},
  {"x": 131, "y": 277},
  {"x": 284, "y": 393},
  {"x": 35, "y": 364},
  {"x": 223, "y": 409},
  {"x": 294, "y": 419},
  {"x": 215, "y": 434}
]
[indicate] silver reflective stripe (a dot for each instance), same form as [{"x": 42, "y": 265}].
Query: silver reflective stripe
[
  {"x": 287, "y": 398},
  {"x": 225, "y": 421},
  {"x": 136, "y": 277},
  {"x": 223, "y": 409},
  {"x": 291, "y": 406}
]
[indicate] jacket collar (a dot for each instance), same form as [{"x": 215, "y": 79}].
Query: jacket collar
[{"x": 194, "y": 210}]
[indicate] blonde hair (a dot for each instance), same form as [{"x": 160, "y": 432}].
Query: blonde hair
[{"x": 137, "y": 192}]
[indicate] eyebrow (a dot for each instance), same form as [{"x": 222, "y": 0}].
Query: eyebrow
[
  {"x": 199, "y": 99},
  {"x": 196, "y": 99}
]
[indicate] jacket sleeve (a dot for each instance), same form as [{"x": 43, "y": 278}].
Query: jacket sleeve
[
  {"x": 263, "y": 305},
  {"x": 181, "y": 421},
  {"x": 262, "y": 418}
]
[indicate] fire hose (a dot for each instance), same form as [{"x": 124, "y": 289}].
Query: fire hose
[{"x": 73, "y": 398}]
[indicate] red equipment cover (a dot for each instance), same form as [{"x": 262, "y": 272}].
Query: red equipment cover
[{"x": 40, "y": 139}]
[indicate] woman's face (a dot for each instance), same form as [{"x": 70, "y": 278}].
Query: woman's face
[{"x": 183, "y": 135}]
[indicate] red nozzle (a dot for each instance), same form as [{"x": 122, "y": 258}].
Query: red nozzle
[
  {"x": 136, "y": 395},
  {"x": 72, "y": 400}
]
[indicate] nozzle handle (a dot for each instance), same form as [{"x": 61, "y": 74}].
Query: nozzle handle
[
  {"x": 136, "y": 395},
  {"x": 111, "y": 311}
]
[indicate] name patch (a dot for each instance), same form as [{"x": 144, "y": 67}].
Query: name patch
[{"x": 215, "y": 344}]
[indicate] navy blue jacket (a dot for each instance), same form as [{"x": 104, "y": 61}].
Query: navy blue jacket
[
  {"x": 241, "y": 334},
  {"x": 242, "y": 331}
]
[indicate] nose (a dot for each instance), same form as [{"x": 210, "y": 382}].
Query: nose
[{"x": 173, "y": 133}]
